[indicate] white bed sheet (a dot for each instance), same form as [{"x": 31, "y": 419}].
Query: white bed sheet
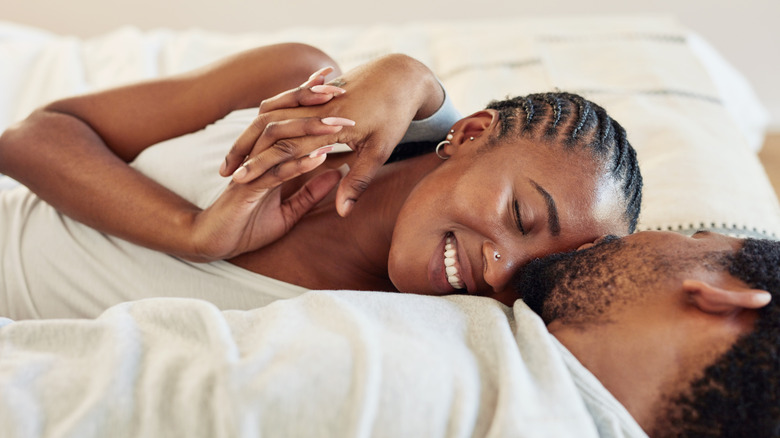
[{"x": 326, "y": 364}]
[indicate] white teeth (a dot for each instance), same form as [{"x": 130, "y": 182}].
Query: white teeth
[{"x": 450, "y": 257}]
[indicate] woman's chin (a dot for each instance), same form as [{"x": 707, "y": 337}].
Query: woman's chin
[{"x": 402, "y": 284}]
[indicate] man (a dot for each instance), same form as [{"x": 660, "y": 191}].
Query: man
[
  {"x": 656, "y": 333},
  {"x": 673, "y": 327}
]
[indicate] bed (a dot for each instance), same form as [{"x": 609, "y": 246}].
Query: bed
[{"x": 414, "y": 366}]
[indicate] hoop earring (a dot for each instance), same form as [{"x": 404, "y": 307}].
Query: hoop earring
[
  {"x": 442, "y": 144},
  {"x": 438, "y": 148}
]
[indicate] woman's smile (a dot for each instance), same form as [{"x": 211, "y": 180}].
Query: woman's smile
[
  {"x": 451, "y": 264},
  {"x": 448, "y": 272}
]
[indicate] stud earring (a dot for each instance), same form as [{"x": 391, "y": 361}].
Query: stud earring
[
  {"x": 471, "y": 138},
  {"x": 496, "y": 255}
]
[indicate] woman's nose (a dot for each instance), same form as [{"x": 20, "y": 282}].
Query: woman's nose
[{"x": 499, "y": 267}]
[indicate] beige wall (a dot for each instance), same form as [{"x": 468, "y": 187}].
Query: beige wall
[{"x": 746, "y": 32}]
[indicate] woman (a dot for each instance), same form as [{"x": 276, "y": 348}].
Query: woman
[{"x": 521, "y": 179}]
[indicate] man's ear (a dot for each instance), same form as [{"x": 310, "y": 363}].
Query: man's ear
[
  {"x": 595, "y": 242},
  {"x": 714, "y": 299}
]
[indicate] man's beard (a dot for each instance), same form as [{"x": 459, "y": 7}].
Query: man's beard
[
  {"x": 569, "y": 285},
  {"x": 578, "y": 286}
]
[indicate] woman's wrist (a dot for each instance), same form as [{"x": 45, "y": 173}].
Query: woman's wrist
[{"x": 431, "y": 91}]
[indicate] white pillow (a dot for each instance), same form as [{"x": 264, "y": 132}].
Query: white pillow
[{"x": 693, "y": 119}]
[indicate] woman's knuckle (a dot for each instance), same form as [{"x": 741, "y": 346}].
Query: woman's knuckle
[
  {"x": 307, "y": 197},
  {"x": 285, "y": 148},
  {"x": 270, "y": 129},
  {"x": 360, "y": 183},
  {"x": 263, "y": 105},
  {"x": 261, "y": 122},
  {"x": 275, "y": 170}
]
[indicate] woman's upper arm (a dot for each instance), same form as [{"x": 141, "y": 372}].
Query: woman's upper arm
[{"x": 133, "y": 117}]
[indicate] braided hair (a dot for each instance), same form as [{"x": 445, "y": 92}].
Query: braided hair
[
  {"x": 575, "y": 122},
  {"x": 571, "y": 120}
]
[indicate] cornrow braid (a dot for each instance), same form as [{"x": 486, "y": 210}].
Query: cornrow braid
[
  {"x": 528, "y": 107},
  {"x": 576, "y": 122},
  {"x": 583, "y": 109}
]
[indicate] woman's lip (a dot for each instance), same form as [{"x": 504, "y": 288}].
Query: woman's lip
[{"x": 437, "y": 275}]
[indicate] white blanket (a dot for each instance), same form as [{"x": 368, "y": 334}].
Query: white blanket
[{"x": 336, "y": 364}]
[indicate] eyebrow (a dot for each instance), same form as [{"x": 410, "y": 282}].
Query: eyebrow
[{"x": 552, "y": 209}]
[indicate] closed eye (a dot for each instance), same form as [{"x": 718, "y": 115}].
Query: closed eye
[{"x": 518, "y": 218}]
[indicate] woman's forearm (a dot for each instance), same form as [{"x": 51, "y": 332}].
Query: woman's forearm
[{"x": 66, "y": 164}]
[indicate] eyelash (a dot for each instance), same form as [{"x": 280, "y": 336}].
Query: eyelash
[{"x": 518, "y": 219}]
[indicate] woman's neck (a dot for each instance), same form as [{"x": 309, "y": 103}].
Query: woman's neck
[{"x": 325, "y": 251}]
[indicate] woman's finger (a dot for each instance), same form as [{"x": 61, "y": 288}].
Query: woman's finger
[
  {"x": 282, "y": 141},
  {"x": 289, "y": 99},
  {"x": 290, "y": 169},
  {"x": 301, "y": 96},
  {"x": 359, "y": 177},
  {"x": 266, "y": 129},
  {"x": 312, "y": 92},
  {"x": 300, "y": 202},
  {"x": 318, "y": 77},
  {"x": 318, "y": 93}
]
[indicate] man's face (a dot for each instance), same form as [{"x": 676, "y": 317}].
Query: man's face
[
  {"x": 583, "y": 285},
  {"x": 647, "y": 314}
]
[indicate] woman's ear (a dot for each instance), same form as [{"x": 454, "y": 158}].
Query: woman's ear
[
  {"x": 477, "y": 127},
  {"x": 713, "y": 299}
]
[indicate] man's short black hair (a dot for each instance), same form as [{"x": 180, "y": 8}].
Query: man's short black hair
[{"x": 739, "y": 394}]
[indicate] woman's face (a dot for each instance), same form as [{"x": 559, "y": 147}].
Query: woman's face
[{"x": 486, "y": 211}]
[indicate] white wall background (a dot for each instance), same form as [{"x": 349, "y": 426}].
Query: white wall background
[{"x": 746, "y": 32}]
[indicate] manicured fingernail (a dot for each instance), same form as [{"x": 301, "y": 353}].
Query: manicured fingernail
[
  {"x": 321, "y": 151},
  {"x": 328, "y": 89},
  {"x": 337, "y": 121},
  {"x": 321, "y": 72},
  {"x": 240, "y": 173}
]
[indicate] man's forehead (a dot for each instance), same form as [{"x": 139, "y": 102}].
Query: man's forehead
[
  {"x": 646, "y": 251},
  {"x": 701, "y": 240}
]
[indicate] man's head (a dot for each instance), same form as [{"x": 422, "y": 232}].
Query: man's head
[{"x": 677, "y": 328}]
